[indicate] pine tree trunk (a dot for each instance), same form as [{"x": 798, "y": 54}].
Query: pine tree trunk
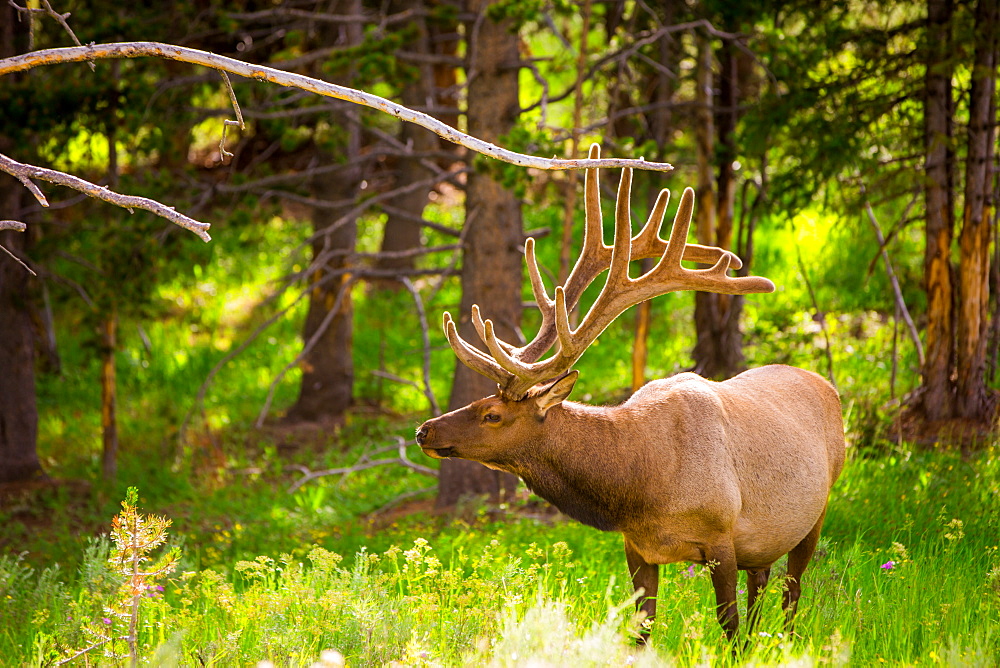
[
  {"x": 718, "y": 351},
  {"x": 402, "y": 226},
  {"x": 18, "y": 410},
  {"x": 974, "y": 241},
  {"x": 938, "y": 395},
  {"x": 327, "y": 384},
  {"x": 491, "y": 263}
]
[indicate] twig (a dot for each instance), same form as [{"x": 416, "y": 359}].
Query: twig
[
  {"x": 819, "y": 314},
  {"x": 24, "y": 173},
  {"x": 334, "y": 311},
  {"x": 60, "y": 18},
  {"x": 897, "y": 292},
  {"x": 403, "y": 497},
  {"x": 364, "y": 463},
  {"x": 262, "y": 73},
  {"x": 227, "y": 122},
  {"x": 18, "y": 260}
]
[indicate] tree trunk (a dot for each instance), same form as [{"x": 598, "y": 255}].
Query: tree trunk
[
  {"x": 937, "y": 395},
  {"x": 974, "y": 241},
  {"x": 109, "y": 396},
  {"x": 328, "y": 367},
  {"x": 18, "y": 410},
  {"x": 402, "y": 227},
  {"x": 661, "y": 125},
  {"x": 491, "y": 262},
  {"x": 718, "y": 351}
]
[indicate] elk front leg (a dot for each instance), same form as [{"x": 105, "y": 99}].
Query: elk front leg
[
  {"x": 721, "y": 559},
  {"x": 647, "y": 577}
]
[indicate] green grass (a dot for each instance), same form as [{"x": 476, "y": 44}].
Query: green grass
[
  {"x": 268, "y": 574},
  {"x": 502, "y": 589}
]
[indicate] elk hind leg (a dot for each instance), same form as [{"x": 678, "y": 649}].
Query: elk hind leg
[
  {"x": 645, "y": 576},
  {"x": 756, "y": 583},
  {"x": 798, "y": 560}
]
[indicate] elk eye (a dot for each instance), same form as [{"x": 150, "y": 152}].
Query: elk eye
[{"x": 491, "y": 417}]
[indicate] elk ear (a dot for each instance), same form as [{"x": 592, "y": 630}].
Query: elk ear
[{"x": 556, "y": 392}]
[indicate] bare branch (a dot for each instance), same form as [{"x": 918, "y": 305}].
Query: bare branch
[
  {"x": 17, "y": 259},
  {"x": 12, "y": 225},
  {"x": 365, "y": 463},
  {"x": 262, "y": 73},
  {"x": 896, "y": 290},
  {"x": 24, "y": 173}
]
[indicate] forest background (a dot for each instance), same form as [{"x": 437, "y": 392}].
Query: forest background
[{"x": 261, "y": 390}]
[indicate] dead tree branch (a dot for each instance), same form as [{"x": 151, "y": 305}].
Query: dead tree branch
[
  {"x": 24, "y": 173},
  {"x": 896, "y": 290},
  {"x": 262, "y": 73},
  {"x": 12, "y": 225},
  {"x": 366, "y": 463}
]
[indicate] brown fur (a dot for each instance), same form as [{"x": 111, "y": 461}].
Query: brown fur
[{"x": 732, "y": 474}]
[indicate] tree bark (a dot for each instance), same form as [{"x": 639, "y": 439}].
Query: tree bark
[
  {"x": 718, "y": 351},
  {"x": 403, "y": 232},
  {"x": 491, "y": 262},
  {"x": 18, "y": 410},
  {"x": 974, "y": 241},
  {"x": 327, "y": 384},
  {"x": 661, "y": 126},
  {"x": 937, "y": 394}
]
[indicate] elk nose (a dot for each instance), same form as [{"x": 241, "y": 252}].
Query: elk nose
[{"x": 422, "y": 434}]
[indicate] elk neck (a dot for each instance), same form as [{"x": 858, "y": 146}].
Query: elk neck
[{"x": 585, "y": 465}]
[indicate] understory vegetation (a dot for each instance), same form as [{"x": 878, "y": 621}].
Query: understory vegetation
[{"x": 358, "y": 566}]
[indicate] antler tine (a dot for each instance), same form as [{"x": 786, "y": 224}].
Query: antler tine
[
  {"x": 715, "y": 279},
  {"x": 472, "y": 357},
  {"x": 649, "y": 244},
  {"x": 477, "y": 322},
  {"x": 679, "y": 231}
]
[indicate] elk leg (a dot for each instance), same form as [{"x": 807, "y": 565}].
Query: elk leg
[
  {"x": 647, "y": 577},
  {"x": 798, "y": 559},
  {"x": 756, "y": 582},
  {"x": 722, "y": 560}
]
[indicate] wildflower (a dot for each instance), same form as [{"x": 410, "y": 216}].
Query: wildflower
[
  {"x": 889, "y": 565},
  {"x": 106, "y": 621},
  {"x": 689, "y": 573}
]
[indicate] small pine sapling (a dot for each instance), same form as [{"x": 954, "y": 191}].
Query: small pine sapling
[{"x": 134, "y": 536}]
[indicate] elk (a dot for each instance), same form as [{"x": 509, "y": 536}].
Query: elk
[{"x": 731, "y": 474}]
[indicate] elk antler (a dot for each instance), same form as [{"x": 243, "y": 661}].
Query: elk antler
[{"x": 517, "y": 369}]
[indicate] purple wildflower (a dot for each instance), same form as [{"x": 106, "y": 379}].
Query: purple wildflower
[
  {"x": 106, "y": 621},
  {"x": 689, "y": 573},
  {"x": 889, "y": 565}
]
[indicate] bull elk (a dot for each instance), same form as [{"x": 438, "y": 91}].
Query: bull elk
[{"x": 729, "y": 474}]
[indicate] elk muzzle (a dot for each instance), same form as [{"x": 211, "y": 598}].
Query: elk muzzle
[{"x": 425, "y": 439}]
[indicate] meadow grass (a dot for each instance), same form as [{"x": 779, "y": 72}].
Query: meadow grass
[{"x": 907, "y": 573}]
